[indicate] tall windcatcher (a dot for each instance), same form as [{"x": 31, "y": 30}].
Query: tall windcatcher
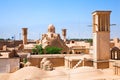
[
  {"x": 101, "y": 38},
  {"x": 24, "y": 33},
  {"x": 64, "y": 34}
]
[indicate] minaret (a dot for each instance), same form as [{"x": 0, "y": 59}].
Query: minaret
[
  {"x": 64, "y": 34},
  {"x": 101, "y": 38},
  {"x": 24, "y": 32}
]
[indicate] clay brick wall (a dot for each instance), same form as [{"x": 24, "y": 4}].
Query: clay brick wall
[
  {"x": 101, "y": 65},
  {"x": 10, "y": 43},
  {"x": 57, "y": 61},
  {"x": 111, "y": 63},
  {"x": 9, "y": 65},
  {"x": 35, "y": 61},
  {"x": 88, "y": 63},
  {"x": 73, "y": 63}
]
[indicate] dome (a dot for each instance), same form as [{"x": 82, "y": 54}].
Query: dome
[
  {"x": 51, "y": 28},
  {"x": 86, "y": 72},
  {"x": 55, "y": 73},
  {"x": 86, "y": 69},
  {"x": 27, "y": 73}
]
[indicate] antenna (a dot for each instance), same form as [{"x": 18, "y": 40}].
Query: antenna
[{"x": 96, "y": 24}]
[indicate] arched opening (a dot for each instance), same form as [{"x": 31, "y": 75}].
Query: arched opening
[
  {"x": 64, "y": 52},
  {"x": 70, "y": 52},
  {"x": 72, "y": 41},
  {"x": 115, "y": 53}
]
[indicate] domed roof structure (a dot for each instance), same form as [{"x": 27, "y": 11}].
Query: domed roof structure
[
  {"x": 55, "y": 75},
  {"x": 51, "y": 28},
  {"x": 27, "y": 73},
  {"x": 53, "y": 39},
  {"x": 86, "y": 69},
  {"x": 86, "y": 72}
]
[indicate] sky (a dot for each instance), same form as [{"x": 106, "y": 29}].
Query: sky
[{"x": 36, "y": 15}]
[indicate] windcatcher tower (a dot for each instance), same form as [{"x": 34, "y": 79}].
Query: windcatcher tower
[
  {"x": 64, "y": 34},
  {"x": 101, "y": 38},
  {"x": 24, "y": 33}
]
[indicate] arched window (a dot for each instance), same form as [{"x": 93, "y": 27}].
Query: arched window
[{"x": 115, "y": 53}]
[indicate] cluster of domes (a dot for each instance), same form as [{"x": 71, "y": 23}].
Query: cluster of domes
[{"x": 53, "y": 39}]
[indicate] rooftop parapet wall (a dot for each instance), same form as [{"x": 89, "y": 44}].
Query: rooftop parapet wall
[{"x": 9, "y": 65}]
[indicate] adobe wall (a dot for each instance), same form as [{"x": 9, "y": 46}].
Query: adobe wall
[
  {"x": 101, "y": 65},
  {"x": 10, "y": 43},
  {"x": 111, "y": 63},
  {"x": 72, "y": 63},
  {"x": 115, "y": 65},
  {"x": 9, "y": 64},
  {"x": 88, "y": 63},
  {"x": 1, "y": 44},
  {"x": 35, "y": 61},
  {"x": 57, "y": 60}
]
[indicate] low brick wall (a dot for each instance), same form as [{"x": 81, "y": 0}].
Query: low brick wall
[
  {"x": 72, "y": 63},
  {"x": 88, "y": 63},
  {"x": 57, "y": 60},
  {"x": 35, "y": 61},
  {"x": 101, "y": 64}
]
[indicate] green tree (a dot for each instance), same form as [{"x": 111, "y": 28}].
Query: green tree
[
  {"x": 38, "y": 49},
  {"x": 24, "y": 60},
  {"x": 53, "y": 50}
]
